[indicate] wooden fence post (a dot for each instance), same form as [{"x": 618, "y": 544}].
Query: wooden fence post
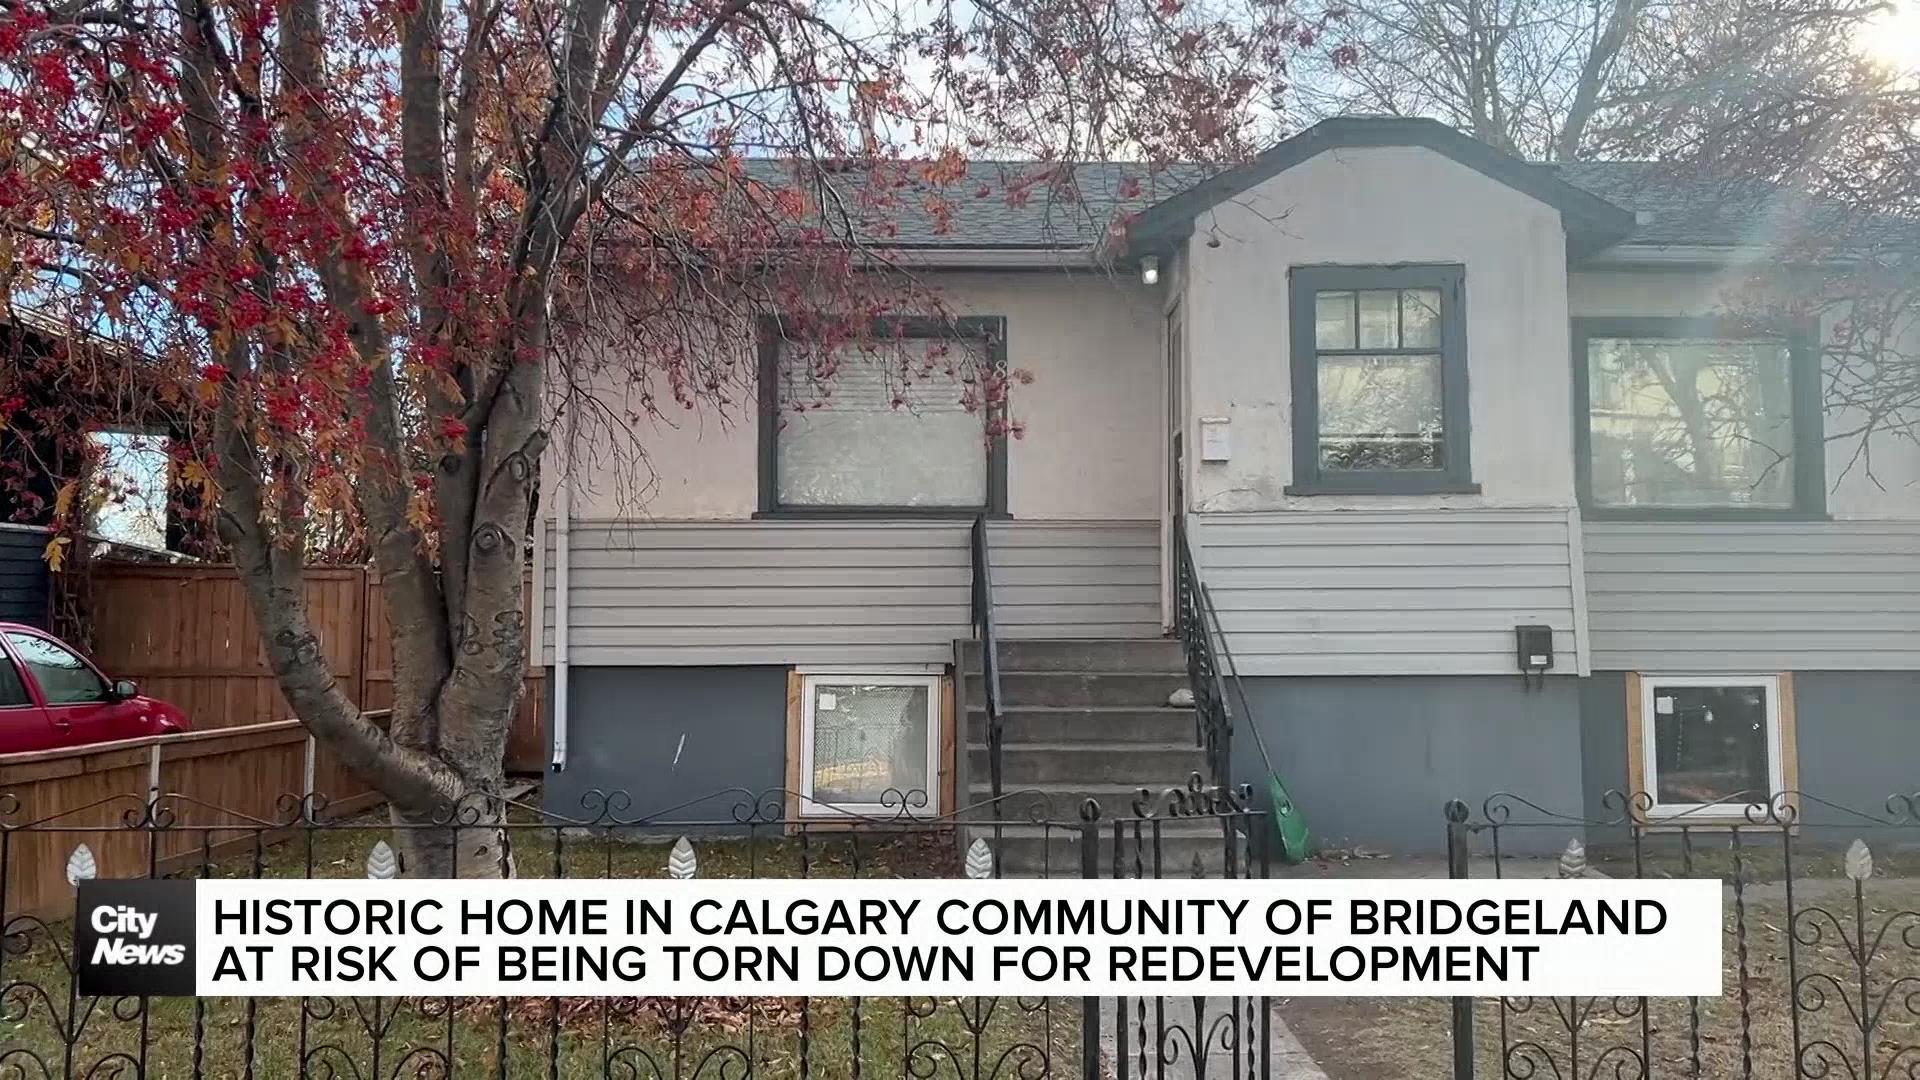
[{"x": 364, "y": 641}]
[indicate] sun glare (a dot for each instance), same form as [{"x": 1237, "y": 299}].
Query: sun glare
[{"x": 1893, "y": 37}]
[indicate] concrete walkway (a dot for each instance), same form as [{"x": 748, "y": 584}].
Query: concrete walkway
[{"x": 1290, "y": 1060}]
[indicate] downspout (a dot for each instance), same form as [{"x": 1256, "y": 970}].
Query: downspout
[{"x": 562, "y": 543}]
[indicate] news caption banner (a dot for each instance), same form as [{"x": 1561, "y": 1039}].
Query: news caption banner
[{"x": 878, "y": 938}]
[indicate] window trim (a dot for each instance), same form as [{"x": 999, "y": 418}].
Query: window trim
[
  {"x": 1456, "y": 432},
  {"x": 1809, "y": 417},
  {"x": 803, "y": 803},
  {"x": 990, "y": 330},
  {"x": 1643, "y": 764}
]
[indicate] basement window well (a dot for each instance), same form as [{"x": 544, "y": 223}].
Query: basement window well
[
  {"x": 869, "y": 745},
  {"x": 1712, "y": 746}
]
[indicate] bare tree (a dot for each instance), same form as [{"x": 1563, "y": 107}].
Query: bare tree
[
  {"x": 351, "y": 238},
  {"x": 1569, "y": 79},
  {"x": 1836, "y": 175}
]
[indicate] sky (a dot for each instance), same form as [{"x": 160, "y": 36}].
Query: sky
[
  {"x": 1894, "y": 37},
  {"x": 135, "y": 467}
]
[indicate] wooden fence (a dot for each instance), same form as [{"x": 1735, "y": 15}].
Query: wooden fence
[
  {"x": 187, "y": 636},
  {"x": 89, "y": 794}
]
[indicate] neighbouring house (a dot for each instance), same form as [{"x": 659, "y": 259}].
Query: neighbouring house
[
  {"x": 82, "y": 411},
  {"x": 25, "y": 593},
  {"x": 1484, "y": 495},
  {"x": 78, "y": 414}
]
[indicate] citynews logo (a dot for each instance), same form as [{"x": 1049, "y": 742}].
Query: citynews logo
[{"x": 135, "y": 938}]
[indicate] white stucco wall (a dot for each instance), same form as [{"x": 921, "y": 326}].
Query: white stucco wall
[
  {"x": 1092, "y": 449},
  {"x": 1878, "y": 479},
  {"x": 1367, "y": 206}
]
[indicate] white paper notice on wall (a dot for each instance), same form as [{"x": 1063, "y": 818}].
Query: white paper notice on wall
[
  {"x": 1663, "y": 704},
  {"x": 1215, "y": 439},
  {"x": 829, "y": 702}
]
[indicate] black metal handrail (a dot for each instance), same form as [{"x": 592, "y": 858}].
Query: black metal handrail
[
  {"x": 1209, "y": 671},
  {"x": 1194, "y": 621},
  {"x": 989, "y": 638}
]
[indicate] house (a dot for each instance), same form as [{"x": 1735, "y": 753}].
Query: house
[
  {"x": 1483, "y": 496},
  {"x": 102, "y": 432}
]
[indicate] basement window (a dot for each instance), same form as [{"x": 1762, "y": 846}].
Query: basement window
[
  {"x": 1712, "y": 745},
  {"x": 869, "y": 745}
]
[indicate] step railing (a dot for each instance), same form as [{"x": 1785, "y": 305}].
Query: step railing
[
  {"x": 1199, "y": 628},
  {"x": 989, "y": 638}
]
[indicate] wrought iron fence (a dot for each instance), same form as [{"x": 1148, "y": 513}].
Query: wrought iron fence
[
  {"x": 1822, "y": 942},
  {"x": 48, "y": 1029}
]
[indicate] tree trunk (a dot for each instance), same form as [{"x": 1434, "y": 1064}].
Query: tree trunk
[{"x": 464, "y": 839}]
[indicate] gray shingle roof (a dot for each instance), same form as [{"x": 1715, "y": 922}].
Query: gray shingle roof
[
  {"x": 1008, "y": 204},
  {"x": 1678, "y": 210},
  {"x": 997, "y": 204}
]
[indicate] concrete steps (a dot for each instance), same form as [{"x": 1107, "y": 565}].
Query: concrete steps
[
  {"x": 1054, "y": 724},
  {"x": 1106, "y": 654},
  {"x": 1021, "y": 688},
  {"x": 1027, "y": 763},
  {"x": 1084, "y": 719}
]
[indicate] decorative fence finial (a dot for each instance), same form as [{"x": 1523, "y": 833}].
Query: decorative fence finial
[
  {"x": 81, "y": 867},
  {"x": 1859, "y": 861},
  {"x": 681, "y": 863},
  {"x": 382, "y": 863},
  {"x": 979, "y": 859},
  {"x": 1573, "y": 861}
]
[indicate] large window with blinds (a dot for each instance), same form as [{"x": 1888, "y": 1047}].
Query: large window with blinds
[{"x": 896, "y": 423}]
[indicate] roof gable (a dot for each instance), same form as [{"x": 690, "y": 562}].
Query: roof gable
[{"x": 1594, "y": 221}]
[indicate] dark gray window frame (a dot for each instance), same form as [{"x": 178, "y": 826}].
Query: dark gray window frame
[
  {"x": 989, "y": 331},
  {"x": 1304, "y": 282},
  {"x": 1809, "y": 421}
]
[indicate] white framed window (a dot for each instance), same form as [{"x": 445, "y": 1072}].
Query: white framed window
[
  {"x": 867, "y": 741},
  {"x": 1711, "y": 745}
]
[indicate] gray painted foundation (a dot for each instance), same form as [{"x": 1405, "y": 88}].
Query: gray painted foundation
[
  {"x": 1372, "y": 761},
  {"x": 667, "y": 736},
  {"x": 1859, "y": 736}
]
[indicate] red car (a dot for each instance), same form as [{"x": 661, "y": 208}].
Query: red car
[{"x": 53, "y": 697}]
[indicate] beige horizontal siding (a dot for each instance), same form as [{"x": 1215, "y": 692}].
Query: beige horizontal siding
[
  {"x": 1683, "y": 597},
  {"x": 1388, "y": 592},
  {"x": 1075, "y": 580},
  {"x": 795, "y": 592}
]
